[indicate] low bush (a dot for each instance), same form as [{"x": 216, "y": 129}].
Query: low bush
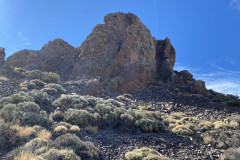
[
  {"x": 51, "y": 91},
  {"x": 62, "y": 154},
  {"x": 28, "y": 107},
  {"x": 86, "y": 150},
  {"x": 81, "y": 117},
  {"x": 39, "y": 97},
  {"x": 9, "y": 113},
  {"x": 70, "y": 101},
  {"x": 183, "y": 129},
  {"x": 145, "y": 121},
  {"x": 74, "y": 129},
  {"x": 9, "y": 137},
  {"x": 15, "y": 99},
  {"x": 47, "y": 77},
  {"x": 144, "y": 154},
  {"x": 58, "y": 87},
  {"x": 37, "y": 145},
  {"x": 60, "y": 130}
]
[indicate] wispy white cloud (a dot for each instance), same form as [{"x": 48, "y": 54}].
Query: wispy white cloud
[
  {"x": 28, "y": 43},
  {"x": 234, "y": 4},
  {"x": 180, "y": 67},
  {"x": 20, "y": 33},
  {"x": 22, "y": 37}
]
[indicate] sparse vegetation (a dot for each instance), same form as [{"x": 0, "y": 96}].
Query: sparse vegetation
[
  {"x": 58, "y": 87},
  {"x": 45, "y": 134},
  {"x": 60, "y": 130},
  {"x": 183, "y": 129},
  {"x": 144, "y": 154}
]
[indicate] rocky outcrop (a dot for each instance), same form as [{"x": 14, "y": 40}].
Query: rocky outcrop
[
  {"x": 22, "y": 59},
  {"x": 121, "y": 52},
  {"x": 56, "y": 56},
  {"x": 2, "y": 55},
  {"x": 119, "y": 55},
  {"x": 165, "y": 59}
]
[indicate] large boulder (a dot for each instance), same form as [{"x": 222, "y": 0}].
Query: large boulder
[
  {"x": 121, "y": 52},
  {"x": 2, "y": 54}
]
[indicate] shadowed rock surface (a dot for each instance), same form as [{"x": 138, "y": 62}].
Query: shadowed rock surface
[
  {"x": 119, "y": 56},
  {"x": 2, "y": 55}
]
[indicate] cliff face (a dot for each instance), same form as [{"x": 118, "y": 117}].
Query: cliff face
[{"x": 120, "y": 54}]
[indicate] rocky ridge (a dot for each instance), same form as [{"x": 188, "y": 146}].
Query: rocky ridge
[{"x": 120, "y": 55}]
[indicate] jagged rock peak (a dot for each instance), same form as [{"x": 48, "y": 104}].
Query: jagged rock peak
[
  {"x": 2, "y": 54},
  {"x": 125, "y": 19},
  {"x": 57, "y": 44}
]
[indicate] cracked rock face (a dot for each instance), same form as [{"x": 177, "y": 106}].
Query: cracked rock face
[
  {"x": 2, "y": 54},
  {"x": 121, "y": 52},
  {"x": 165, "y": 59}
]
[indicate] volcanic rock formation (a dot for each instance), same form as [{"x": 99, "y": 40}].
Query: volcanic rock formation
[
  {"x": 2, "y": 55},
  {"x": 119, "y": 55}
]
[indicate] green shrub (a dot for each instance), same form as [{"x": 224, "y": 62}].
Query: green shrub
[
  {"x": 112, "y": 102},
  {"x": 9, "y": 137},
  {"x": 86, "y": 150},
  {"x": 144, "y": 154},
  {"x": 56, "y": 115},
  {"x": 47, "y": 77},
  {"x": 31, "y": 118},
  {"x": 70, "y": 101},
  {"x": 108, "y": 114},
  {"x": 145, "y": 121},
  {"x": 80, "y": 117},
  {"x": 58, "y": 87},
  {"x": 15, "y": 99},
  {"x": 37, "y": 83},
  {"x": 39, "y": 97},
  {"x": 62, "y": 154},
  {"x": 51, "y": 91},
  {"x": 28, "y": 107},
  {"x": 9, "y": 113},
  {"x": 149, "y": 125},
  {"x": 37, "y": 145}
]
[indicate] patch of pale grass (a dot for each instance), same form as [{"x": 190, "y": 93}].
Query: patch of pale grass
[
  {"x": 25, "y": 131},
  {"x": 45, "y": 134}
]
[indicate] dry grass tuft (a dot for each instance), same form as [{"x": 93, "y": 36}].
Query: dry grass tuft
[
  {"x": 205, "y": 124},
  {"x": 25, "y": 131},
  {"x": 59, "y": 130},
  {"x": 25, "y": 155},
  {"x": 209, "y": 140},
  {"x": 45, "y": 134},
  {"x": 234, "y": 124},
  {"x": 75, "y": 129},
  {"x": 220, "y": 124},
  {"x": 3, "y": 78},
  {"x": 144, "y": 107}
]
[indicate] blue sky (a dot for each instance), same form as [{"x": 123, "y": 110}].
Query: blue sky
[{"x": 205, "y": 33}]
